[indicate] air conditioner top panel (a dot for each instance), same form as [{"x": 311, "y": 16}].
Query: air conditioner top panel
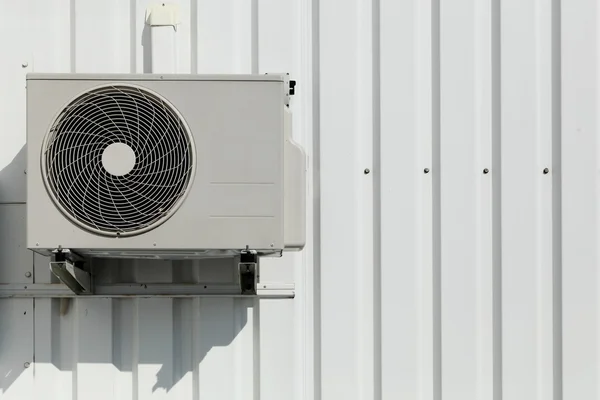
[{"x": 159, "y": 77}]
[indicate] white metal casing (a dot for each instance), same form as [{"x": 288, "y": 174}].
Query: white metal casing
[{"x": 248, "y": 189}]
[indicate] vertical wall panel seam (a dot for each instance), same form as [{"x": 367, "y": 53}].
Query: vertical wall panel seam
[
  {"x": 496, "y": 198},
  {"x": 72, "y": 34},
  {"x": 116, "y": 330},
  {"x": 238, "y": 351},
  {"x": 33, "y": 334},
  {"x": 133, "y": 36},
  {"x": 256, "y": 348},
  {"x": 254, "y": 27},
  {"x": 195, "y": 348},
  {"x": 136, "y": 349},
  {"x": 55, "y": 330},
  {"x": 376, "y": 95},
  {"x": 177, "y": 339},
  {"x": 557, "y": 199},
  {"x": 436, "y": 200},
  {"x": 194, "y": 36},
  {"x": 33, "y": 343},
  {"x": 316, "y": 172},
  {"x": 75, "y": 347}
]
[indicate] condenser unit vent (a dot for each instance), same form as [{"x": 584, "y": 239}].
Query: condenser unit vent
[{"x": 118, "y": 160}]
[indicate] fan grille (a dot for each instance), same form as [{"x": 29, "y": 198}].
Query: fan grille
[{"x": 118, "y": 160}]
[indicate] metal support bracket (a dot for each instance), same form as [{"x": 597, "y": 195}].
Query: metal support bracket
[
  {"x": 77, "y": 282},
  {"x": 248, "y": 272},
  {"x": 76, "y": 279},
  {"x": 126, "y": 290},
  {"x": 65, "y": 265}
]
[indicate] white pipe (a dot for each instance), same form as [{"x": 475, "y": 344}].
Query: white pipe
[{"x": 163, "y": 19}]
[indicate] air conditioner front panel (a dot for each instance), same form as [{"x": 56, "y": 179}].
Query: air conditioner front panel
[{"x": 236, "y": 197}]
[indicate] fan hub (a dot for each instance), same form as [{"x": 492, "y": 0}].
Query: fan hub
[{"x": 118, "y": 159}]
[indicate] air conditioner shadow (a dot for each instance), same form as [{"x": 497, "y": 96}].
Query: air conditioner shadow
[
  {"x": 16, "y": 315},
  {"x": 168, "y": 338},
  {"x": 159, "y": 338},
  {"x": 13, "y": 179}
]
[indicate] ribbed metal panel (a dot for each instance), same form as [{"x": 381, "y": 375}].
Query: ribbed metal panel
[
  {"x": 127, "y": 349},
  {"x": 453, "y": 220},
  {"x": 144, "y": 348}
]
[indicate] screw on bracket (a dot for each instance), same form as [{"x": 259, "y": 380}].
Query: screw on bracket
[{"x": 426, "y": 170}]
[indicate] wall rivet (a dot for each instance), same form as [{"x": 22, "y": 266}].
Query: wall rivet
[
  {"x": 546, "y": 170},
  {"x": 485, "y": 170},
  {"x": 426, "y": 170},
  {"x": 28, "y": 274},
  {"x": 37, "y": 244},
  {"x": 26, "y": 365},
  {"x": 25, "y": 64},
  {"x": 367, "y": 171}
]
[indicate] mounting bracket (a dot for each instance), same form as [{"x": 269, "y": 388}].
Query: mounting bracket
[
  {"x": 65, "y": 265},
  {"x": 137, "y": 290},
  {"x": 77, "y": 282},
  {"x": 248, "y": 272}
]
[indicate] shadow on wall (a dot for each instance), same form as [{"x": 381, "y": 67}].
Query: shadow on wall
[
  {"x": 16, "y": 344},
  {"x": 147, "y": 49},
  {"x": 12, "y": 179},
  {"x": 157, "y": 340},
  {"x": 16, "y": 315}
]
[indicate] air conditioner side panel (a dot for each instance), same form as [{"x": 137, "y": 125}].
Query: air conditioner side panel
[{"x": 295, "y": 189}]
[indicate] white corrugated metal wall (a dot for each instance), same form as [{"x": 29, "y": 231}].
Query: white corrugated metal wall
[{"x": 450, "y": 284}]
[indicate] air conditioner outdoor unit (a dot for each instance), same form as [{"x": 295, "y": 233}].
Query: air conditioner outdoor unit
[{"x": 163, "y": 166}]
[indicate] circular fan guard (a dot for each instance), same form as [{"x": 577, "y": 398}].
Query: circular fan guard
[{"x": 77, "y": 155}]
